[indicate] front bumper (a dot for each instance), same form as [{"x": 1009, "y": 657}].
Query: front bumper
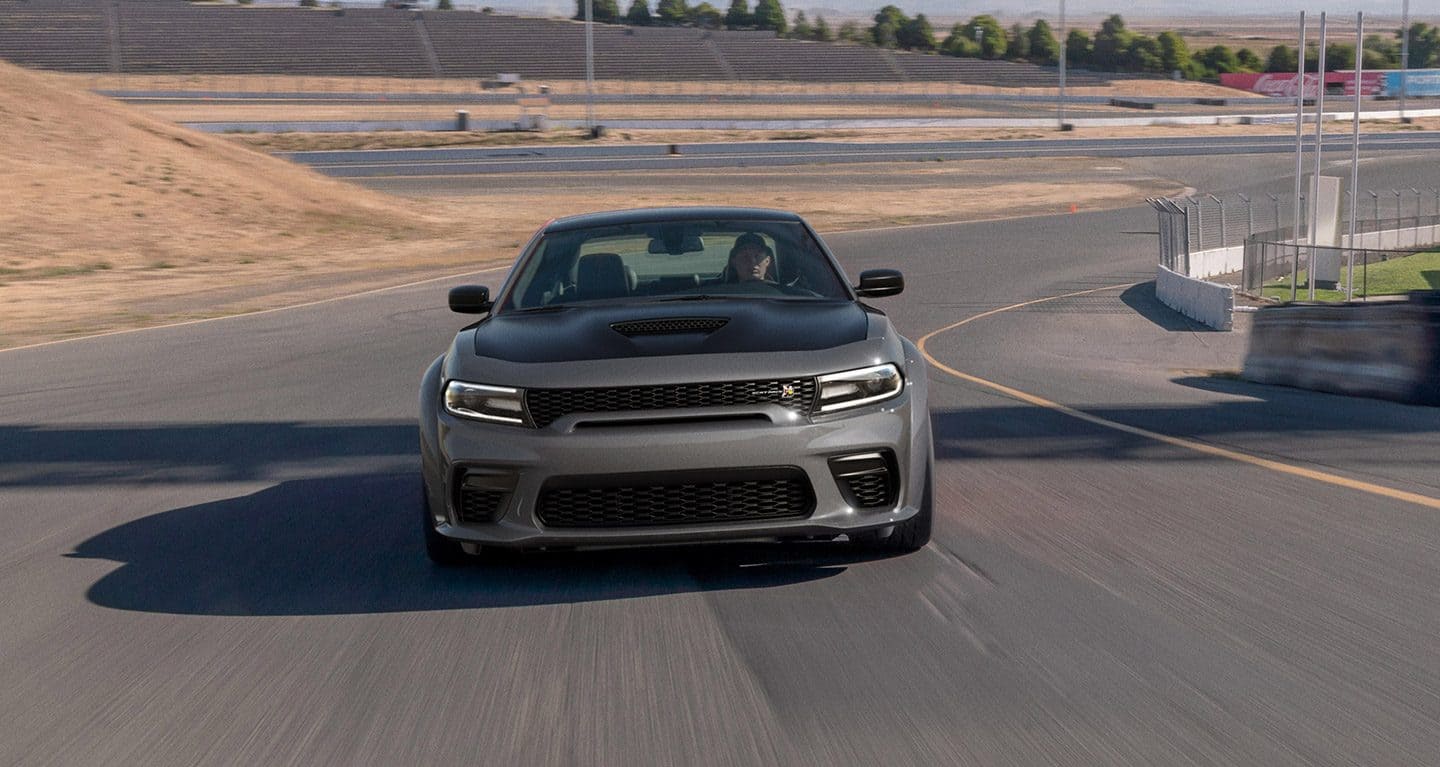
[{"x": 758, "y": 436}]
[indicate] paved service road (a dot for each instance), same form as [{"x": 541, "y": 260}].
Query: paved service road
[
  {"x": 209, "y": 555},
  {"x": 610, "y": 157}
]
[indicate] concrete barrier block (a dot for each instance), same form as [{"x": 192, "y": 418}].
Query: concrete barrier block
[{"x": 1390, "y": 351}]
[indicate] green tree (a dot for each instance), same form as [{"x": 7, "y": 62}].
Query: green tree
[
  {"x": 770, "y": 15},
  {"x": 1382, "y": 50},
  {"x": 1250, "y": 61},
  {"x": 1339, "y": 56},
  {"x": 1112, "y": 45},
  {"x": 639, "y": 14},
  {"x": 800, "y": 28},
  {"x": 444, "y": 5},
  {"x": 1044, "y": 48},
  {"x": 603, "y": 11},
  {"x": 851, "y": 32},
  {"x": 1144, "y": 55},
  {"x": 960, "y": 43},
  {"x": 1220, "y": 59},
  {"x": 821, "y": 33},
  {"x": 309, "y": 3},
  {"x": 706, "y": 16},
  {"x": 1282, "y": 59},
  {"x": 1017, "y": 47},
  {"x": 1424, "y": 45},
  {"x": 1174, "y": 53},
  {"x": 917, "y": 34},
  {"x": 738, "y": 16},
  {"x": 886, "y": 31},
  {"x": 991, "y": 37},
  {"x": 672, "y": 13},
  {"x": 1078, "y": 49}
]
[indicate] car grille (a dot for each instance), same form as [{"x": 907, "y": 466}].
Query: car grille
[
  {"x": 870, "y": 490},
  {"x": 669, "y": 325},
  {"x": 547, "y": 405},
  {"x": 767, "y": 495},
  {"x": 474, "y": 505}
]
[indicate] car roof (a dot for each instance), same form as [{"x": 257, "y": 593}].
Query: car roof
[{"x": 647, "y": 215}]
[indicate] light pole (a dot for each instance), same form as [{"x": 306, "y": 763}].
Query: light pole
[
  {"x": 1319, "y": 155},
  {"x": 1064, "y": 54},
  {"x": 1404, "y": 56},
  {"x": 1417, "y": 215},
  {"x": 1299, "y": 159},
  {"x": 1355, "y": 153},
  {"x": 590, "y": 66}
]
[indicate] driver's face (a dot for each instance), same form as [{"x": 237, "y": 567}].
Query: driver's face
[{"x": 752, "y": 264}]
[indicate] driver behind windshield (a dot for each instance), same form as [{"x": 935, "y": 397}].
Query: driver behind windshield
[{"x": 751, "y": 260}]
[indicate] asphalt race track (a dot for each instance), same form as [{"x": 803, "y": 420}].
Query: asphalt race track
[
  {"x": 613, "y": 157},
  {"x": 210, "y": 555}
]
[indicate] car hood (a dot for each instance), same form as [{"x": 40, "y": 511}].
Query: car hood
[
  {"x": 749, "y": 326},
  {"x": 760, "y": 339}
]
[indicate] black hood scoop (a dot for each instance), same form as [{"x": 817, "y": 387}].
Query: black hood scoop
[
  {"x": 663, "y": 326},
  {"x": 617, "y": 331}
]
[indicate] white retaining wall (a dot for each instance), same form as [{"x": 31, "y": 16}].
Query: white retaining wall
[{"x": 1208, "y": 303}]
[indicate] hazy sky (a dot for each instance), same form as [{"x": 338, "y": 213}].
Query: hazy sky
[{"x": 1418, "y": 8}]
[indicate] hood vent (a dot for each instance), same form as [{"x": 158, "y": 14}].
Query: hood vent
[{"x": 669, "y": 325}]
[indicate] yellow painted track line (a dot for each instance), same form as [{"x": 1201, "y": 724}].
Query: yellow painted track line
[{"x": 1180, "y": 442}]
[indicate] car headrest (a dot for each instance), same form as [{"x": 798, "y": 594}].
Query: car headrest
[{"x": 601, "y": 275}]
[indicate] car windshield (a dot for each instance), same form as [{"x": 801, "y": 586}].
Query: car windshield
[{"x": 675, "y": 260}]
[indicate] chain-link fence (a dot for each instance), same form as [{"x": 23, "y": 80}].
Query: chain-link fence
[{"x": 1388, "y": 224}]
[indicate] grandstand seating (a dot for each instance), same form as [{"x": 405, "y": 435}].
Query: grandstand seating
[
  {"x": 55, "y": 34},
  {"x": 177, "y": 37}
]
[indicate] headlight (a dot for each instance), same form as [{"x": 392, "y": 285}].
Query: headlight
[
  {"x": 497, "y": 404},
  {"x": 854, "y": 388}
]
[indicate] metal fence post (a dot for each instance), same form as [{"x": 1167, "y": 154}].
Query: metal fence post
[
  {"x": 1417, "y": 215},
  {"x": 1220, "y": 204},
  {"x": 1199, "y": 224}
]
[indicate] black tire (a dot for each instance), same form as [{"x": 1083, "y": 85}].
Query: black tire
[
  {"x": 912, "y": 534},
  {"x": 443, "y": 551}
]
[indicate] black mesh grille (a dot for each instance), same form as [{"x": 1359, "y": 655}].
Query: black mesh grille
[
  {"x": 669, "y": 325},
  {"x": 696, "y": 502},
  {"x": 546, "y": 405},
  {"x": 474, "y": 505},
  {"x": 871, "y": 490}
]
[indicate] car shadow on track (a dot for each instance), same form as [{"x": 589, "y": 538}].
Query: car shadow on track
[
  {"x": 352, "y": 544},
  {"x": 1269, "y": 417}
]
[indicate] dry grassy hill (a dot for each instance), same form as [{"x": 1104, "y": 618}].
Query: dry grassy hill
[{"x": 109, "y": 212}]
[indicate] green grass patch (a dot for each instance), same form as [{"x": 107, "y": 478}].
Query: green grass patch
[{"x": 1387, "y": 278}]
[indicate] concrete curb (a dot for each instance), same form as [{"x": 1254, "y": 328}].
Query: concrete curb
[{"x": 1390, "y": 351}]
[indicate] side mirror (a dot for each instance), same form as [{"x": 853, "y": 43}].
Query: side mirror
[
  {"x": 878, "y": 283},
  {"x": 470, "y": 299}
]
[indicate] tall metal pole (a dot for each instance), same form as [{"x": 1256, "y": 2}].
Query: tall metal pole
[
  {"x": 1404, "y": 55},
  {"x": 1064, "y": 54},
  {"x": 1299, "y": 158},
  {"x": 1355, "y": 153},
  {"x": 1319, "y": 155},
  {"x": 590, "y": 65}
]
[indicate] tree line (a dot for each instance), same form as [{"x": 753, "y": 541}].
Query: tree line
[{"x": 1111, "y": 48}]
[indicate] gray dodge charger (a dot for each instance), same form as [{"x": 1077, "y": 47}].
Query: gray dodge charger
[{"x": 675, "y": 375}]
